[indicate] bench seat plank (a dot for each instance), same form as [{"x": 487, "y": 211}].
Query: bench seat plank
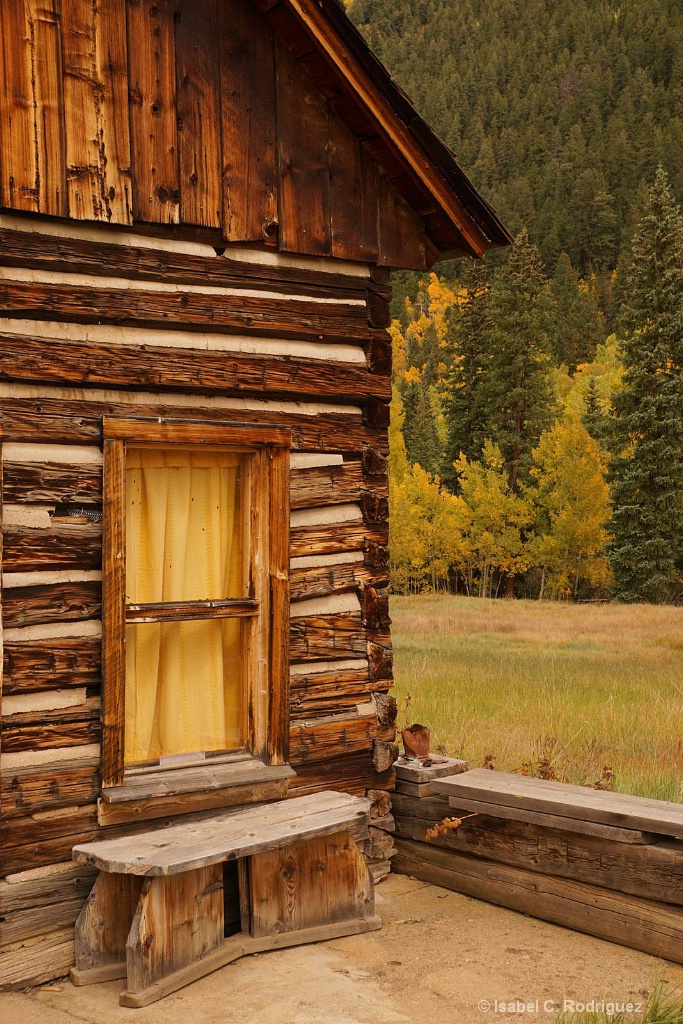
[
  {"x": 519, "y": 793},
  {"x": 226, "y": 836}
]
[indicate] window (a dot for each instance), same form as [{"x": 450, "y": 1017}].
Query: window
[{"x": 195, "y": 596}]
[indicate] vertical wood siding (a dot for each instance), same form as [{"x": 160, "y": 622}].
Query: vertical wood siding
[{"x": 169, "y": 112}]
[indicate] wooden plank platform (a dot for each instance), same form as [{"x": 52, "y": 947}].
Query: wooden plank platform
[{"x": 495, "y": 791}]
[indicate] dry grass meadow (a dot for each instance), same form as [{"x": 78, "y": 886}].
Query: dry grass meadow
[{"x": 583, "y": 691}]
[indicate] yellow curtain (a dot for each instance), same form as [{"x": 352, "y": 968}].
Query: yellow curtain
[{"x": 184, "y": 542}]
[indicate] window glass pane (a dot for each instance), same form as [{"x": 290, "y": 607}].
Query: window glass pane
[
  {"x": 185, "y": 525},
  {"x": 183, "y": 688}
]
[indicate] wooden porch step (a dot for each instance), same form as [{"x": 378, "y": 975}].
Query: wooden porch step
[{"x": 515, "y": 796}]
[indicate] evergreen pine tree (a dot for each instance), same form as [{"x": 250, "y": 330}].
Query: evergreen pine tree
[
  {"x": 580, "y": 327},
  {"x": 595, "y": 419},
  {"x": 465, "y": 412},
  {"x": 419, "y": 430},
  {"x": 647, "y": 472},
  {"x": 518, "y": 388}
]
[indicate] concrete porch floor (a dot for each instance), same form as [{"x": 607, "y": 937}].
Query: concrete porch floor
[{"x": 440, "y": 957}]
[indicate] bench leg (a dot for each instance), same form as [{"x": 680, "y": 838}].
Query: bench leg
[
  {"x": 322, "y": 881},
  {"x": 102, "y": 929},
  {"x": 178, "y": 921}
]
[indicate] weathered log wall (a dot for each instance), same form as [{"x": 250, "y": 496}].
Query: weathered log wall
[{"x": 91, "y": 329}]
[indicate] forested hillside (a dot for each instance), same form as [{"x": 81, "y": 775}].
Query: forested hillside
[
  {"x": 559, "y": 110},
  {"x": 537, "y": 432}
]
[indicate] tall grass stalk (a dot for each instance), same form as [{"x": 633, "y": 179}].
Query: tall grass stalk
[
  {"x": 583, "y": 686},
  {"x": 660, "y": 1008}
]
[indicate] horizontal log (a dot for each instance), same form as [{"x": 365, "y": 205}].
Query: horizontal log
[
  {"x": 273, "y": 317},
  {"x": 65, "y": 727},
  {"x": 51, "y": 664},
  {"x": 62, "y": 546},
  {"x": 351, "y": 774},
  {"x": 323, "y": 738},
  {"x": 40, "y": 889},
  {"x": 48, "y": 839},
  {"x": 327, "y": 485},
  {"x": 330, "y": 683},
  {"x": 39, "y": 840},
  {"x": 313, "y": 692},
  {"x": 55, "y": 421},
  {"x": 654, "y": 928},
  {"x": 147, "y": 809},
  {"x": 654, "y": 871},
  {"x": 323, "y": 580},
  {"x": 327, "y": 637},
  {"x": 37, "y": 960},
  {"x": 24, "y": 924},
  {"x": 332, "y": 538},
  {"x": 197, "y": 371},
  {"x": 27, "y": 249},
  {"x": 55, "y": 602},
  {"x": 26, "y": 791},
  {"x": 45, "y": 483}
]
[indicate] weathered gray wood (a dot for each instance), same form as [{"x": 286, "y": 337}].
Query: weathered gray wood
[
  {"x": 38, "y": 959},
  {"x": 417, "y": 789},
  {"x": 238, "y": 834},
  {"x": 310, "y": 884},
  {"x": 105, "y": 920},
  {"x": 383, "y": 755},
  {"x": 177, "y": 922},
  {"x": 641, "y": 924},
  {"x": 586, "y": 828},
  {"x": 63, "y": 883},
  {"x": 654, "y": 872},
  {"x": 182, "y": 804},
  {"x": 561, "y": 799},
  {"x": 417, "y": 773},
  {"x": 241, "y": 945},
  {"x": 147, "y": 785}
]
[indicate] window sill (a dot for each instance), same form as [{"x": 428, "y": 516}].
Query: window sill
[{"x": 158, "y": 794}]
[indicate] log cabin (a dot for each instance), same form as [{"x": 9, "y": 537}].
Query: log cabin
[{"x": 200, "y": 203}]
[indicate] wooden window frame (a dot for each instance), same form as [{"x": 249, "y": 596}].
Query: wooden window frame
[{"x": 267, "y": 668}]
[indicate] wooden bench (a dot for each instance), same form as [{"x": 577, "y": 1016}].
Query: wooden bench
[
  {"x": 615, "y": 816},
  {"x": 604, "y": 863},
  {"x": 172, "y": 905}
]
